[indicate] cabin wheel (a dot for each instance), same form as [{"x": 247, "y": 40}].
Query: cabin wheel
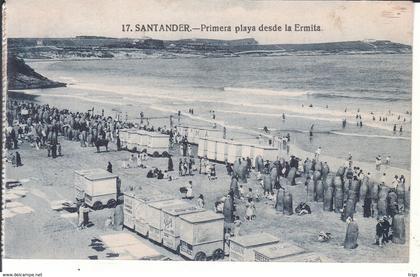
[
  {"x": 111, "y": 203},
  {"x": 218, "y": 254},
  {"x": 97, "y": 205},
  {"x": 156, "y": 154},
  {"x": 134, "y": 149},
  {"x": 165, "y": 154},
  {"x": 200, "y": 256}
]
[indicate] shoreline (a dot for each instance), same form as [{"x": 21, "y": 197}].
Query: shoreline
[{"x": 237, "y": 131}]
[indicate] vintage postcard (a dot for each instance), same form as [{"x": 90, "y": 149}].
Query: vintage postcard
[{"x": 250, "y": 131}]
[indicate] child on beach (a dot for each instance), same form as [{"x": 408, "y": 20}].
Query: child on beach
[
  {"x": 378, "y": 163},
  {"x": 237, "y": 226},
  {"x": 318, "y": 153}
]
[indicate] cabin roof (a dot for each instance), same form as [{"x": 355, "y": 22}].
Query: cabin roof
[
  {"x": 202, "y": 217},
  {"x": 257, "y": 239}
]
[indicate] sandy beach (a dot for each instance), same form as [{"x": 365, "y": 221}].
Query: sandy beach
[{"x": 48, "y": 180}]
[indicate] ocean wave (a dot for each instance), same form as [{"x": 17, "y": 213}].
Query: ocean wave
[
  {"x": 334, "y": 132},
  {"x": 266, "y": 92},
  {"x": 385, "y": 98},
  {"x": 369, "y": 136}
]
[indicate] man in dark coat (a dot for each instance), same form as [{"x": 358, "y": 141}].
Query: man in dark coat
[
  {"x": 54, "y": 150},
  {"x": 118, "y": 144},
  {"x": 380, "y": 230},
  {"x": 18, "y": 159},
  {"x": 109, "y": 167},
  {"x": 170, "y": 164}
]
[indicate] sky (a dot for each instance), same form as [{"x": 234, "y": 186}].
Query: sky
[{"x": 339, "y": 20}]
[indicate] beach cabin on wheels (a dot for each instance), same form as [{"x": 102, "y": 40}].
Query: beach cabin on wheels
[
  {"x": 171, "y": 222},
  {"x": 277, "y": 252},
  {"x": 158, "y": 144},
  {"x": 222, "y": 150},
  {"x": 80, "y": 183},
  {"x": 153, "y": 143},
  {"x": 202, "y": 148},
  {"x": 96, "y": 187},
  {"x": 242, "y": 247},
  {"x": 211, "y": 149},
  {"x": 201, "y": 235},
  {"x": 194, "y": 134},
  {"x": 140, "y": 140},
  {"x": 234, "y": 149},
  {"x": 154, "y": 217},
  {"x": 136, "y": 207}
]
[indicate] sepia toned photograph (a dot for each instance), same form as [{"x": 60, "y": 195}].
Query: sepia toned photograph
[{"x": 229, "y": 131}]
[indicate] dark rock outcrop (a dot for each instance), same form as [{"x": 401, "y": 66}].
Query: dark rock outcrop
[{"x": 22, "y": 76}]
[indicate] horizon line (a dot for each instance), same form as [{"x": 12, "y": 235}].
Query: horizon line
[{"x": 247, "y": 38}]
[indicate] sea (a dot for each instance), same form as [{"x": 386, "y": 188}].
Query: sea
[{"x": 249, "y": 93}]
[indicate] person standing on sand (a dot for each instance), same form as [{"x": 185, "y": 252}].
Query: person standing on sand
[
  {"x": 170, "y": 164},
  {"x": 378, "y": 163},
  {"x": 388, "y": 160},
  {"x": 109, "y": 167},
  {"x": 54, "y": 150},
  {"x": 318, "y": 153},
  {"x": 180, "y": 167},
  {"x": 189, "y": 195},
  {"x": 83, "y": 216},
  {"x": 189, "y": 150},
  {"x": 237, "y": 226},
  {"x": 18, "y": 159},
  {"x": 395, "y": 182},
  {"x": 200, "y": 201},
  {"x": 118, "y": 143}
]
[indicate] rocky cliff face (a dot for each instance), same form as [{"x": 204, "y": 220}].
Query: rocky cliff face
[{"x": 22, "y": 76}]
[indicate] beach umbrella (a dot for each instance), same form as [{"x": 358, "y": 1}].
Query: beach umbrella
[
  {"x": 234, "y": 187},
  {"x": 392, "y": 203},
  {"x": 118, "y": 217},
  {"x": 291, "y": 175},
  {"x": 398, "y": 229},
  {"x": 400, "y": 197},
  {"x": 318, "y": 166},
  {"x": 259, "y": 163},
  {"x": 339, "y": 199},
  {"x": 338, "y": 182},
  {"x": 267, "y": 182},
  {"x": 228, "y": 209},
  {"x": 317, "y": 175},
  {"x": 311, "y": 190},
  {"x": 280, "y": 200},
  {"x": 288, "y": 204},
  {"x": 328, "y": 199},
  {"x": 364, "y": 189},
  {"x": 319, "y": 189}
]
